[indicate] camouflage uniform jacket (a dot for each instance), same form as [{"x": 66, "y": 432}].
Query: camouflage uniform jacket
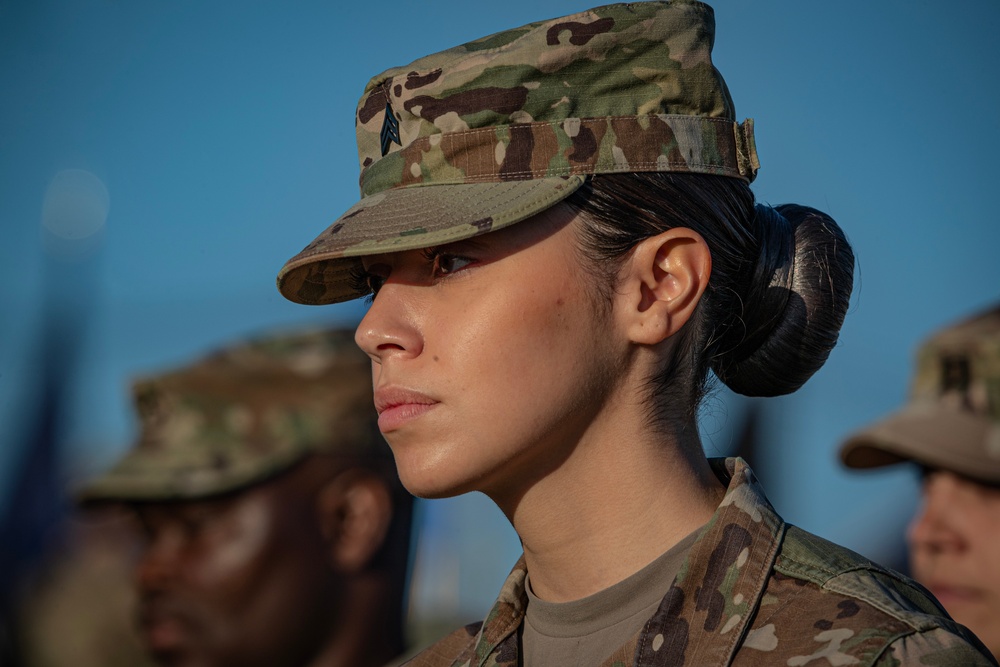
[{"x": 753, "y": 591}]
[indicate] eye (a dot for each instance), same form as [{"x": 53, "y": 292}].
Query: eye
[
  {"x": 144, "y": 526},
  {"x": 451, "y": 263},
  {"x": 202, "y": 519},
  {"x": 444, "y": 264},
  {"x": 193, "y": 522}
]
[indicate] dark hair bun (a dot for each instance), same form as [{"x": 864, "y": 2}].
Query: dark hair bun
[{"x": 795, "y": 300}]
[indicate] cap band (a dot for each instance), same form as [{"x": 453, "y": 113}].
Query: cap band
[{"x": 525, "y": 151}]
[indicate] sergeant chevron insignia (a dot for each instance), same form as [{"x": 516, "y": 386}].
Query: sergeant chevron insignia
[{"x": 390, "y": 130}]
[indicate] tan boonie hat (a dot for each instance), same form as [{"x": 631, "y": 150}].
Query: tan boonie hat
[
  {"x": 244, "y": 414},
  {"x": 487, "y": 134},
  {"x": 953, "y": 418}
]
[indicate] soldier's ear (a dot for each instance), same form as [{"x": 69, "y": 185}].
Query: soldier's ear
[
  {"x": 355, "y": 510},
  {"x": 661, "y": 284}
]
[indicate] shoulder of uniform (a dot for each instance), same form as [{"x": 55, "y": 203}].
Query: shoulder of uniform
[
  {"x": 838, "y": 569},
  {"x": 825, "y": 600},
  {"x": 937, "y": 646},
  {"x": 449, "y": 650}
]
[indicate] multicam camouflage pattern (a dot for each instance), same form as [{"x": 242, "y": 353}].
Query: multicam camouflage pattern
[
  {"x": 952, "y": 420},
  {"x": 960, "y": 367},
  {"x": 754, "y": 591},
  {"x": 511, "y": 123},
  {"x": 243, "y": 414}
]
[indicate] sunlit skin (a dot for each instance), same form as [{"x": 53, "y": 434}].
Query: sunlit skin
[
  {"x": 247, "y": 580},
  {"x": 955, "y": 551},
  {"x": 488, "y": 378}
]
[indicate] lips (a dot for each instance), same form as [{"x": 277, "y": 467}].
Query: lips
[
  {"x": 162, "y": 630},
  {"x": 397, "y": 406}
]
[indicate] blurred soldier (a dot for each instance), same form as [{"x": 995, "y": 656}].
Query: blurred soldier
[
  {"x": 277, "y": 530},
  {"x": 951, "y": 429}
]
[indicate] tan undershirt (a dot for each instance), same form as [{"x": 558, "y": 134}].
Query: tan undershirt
[{"x": 583, "y": 633}]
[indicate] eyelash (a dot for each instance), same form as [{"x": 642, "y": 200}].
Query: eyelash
[
  {"x": 368, "y": 283},
  {"x": 361, "y": 282}
]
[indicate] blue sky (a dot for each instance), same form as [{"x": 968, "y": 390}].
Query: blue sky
[{"x": 222, "y": 135}]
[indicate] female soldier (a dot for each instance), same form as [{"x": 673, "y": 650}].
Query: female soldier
[{"x": 559, "y": 240}]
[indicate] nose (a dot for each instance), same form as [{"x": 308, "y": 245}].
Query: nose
[
  {"x": 937, "y": 526},
  {"x": 390, "y": 328},
  {"x": 157, "y": 565}
]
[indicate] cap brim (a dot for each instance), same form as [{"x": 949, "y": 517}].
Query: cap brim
[
  {"x": 144, "y": 476},
  {"x": 930, "y": 435},
  {"x": 411, "y": 218}
]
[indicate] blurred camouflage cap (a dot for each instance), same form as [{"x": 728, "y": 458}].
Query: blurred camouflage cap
[
  {"x": 487, "y": 134},
  {"x": 244, "y": 414},
  {"x": 952, "y": 420}
]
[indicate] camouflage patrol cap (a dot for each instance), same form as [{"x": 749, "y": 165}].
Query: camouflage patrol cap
[
  {"x": 952, "y": 420},
  {"x": 244, "y": 414},
  {"x": 492, "y": 132}
]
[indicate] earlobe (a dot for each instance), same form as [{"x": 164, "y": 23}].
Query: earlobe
[
  {"x": 355, "y": 510},
  {"x": 664, "y": 281}
]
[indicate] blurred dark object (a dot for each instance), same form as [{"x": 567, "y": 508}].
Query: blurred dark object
[{"x": 36, "y": 509}]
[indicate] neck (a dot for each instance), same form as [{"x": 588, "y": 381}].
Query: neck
[{"x": 619, "y": 501}]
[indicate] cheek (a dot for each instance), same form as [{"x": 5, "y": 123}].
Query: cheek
[
  {"x": 231, "y": 560},
  {"x": 525, "y": 337},
  {"x": 532, "y": 351},
  {"x": 986, "y": 541},
  {"x": 919, "y": 564}
]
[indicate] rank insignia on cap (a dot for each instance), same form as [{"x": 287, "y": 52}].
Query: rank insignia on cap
[
  {"x": 955, "y": 374},
  {"x": 390, "y": 130}
]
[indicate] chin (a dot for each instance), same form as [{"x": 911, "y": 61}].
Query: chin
[
  {"x": 428, "y": 470},
  {"x": 433, "y": 482},
  {"x": 430, "y": 489}
]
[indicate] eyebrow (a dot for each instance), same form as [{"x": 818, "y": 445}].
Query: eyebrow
[
  {"x": 926, "y": 470},
  {"x": 473, "y": 243}
]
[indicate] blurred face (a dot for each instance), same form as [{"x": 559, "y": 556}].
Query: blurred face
[
  {"x": 955, "y": 551},
  {"x": 486, "y": 369},
  {"x": 234, "y": 581}
]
